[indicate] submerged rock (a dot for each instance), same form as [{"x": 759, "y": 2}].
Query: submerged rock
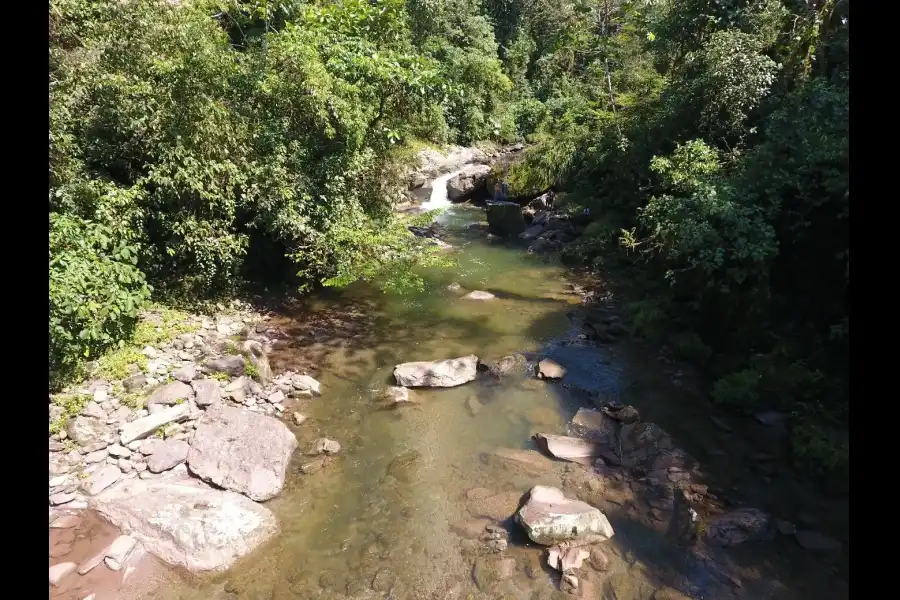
[
  {"x": 549, "y": 518},
  {"x": 490, "y": 570},
  {"x": 186, "y": 523},
  {"x": 527, "y": 462},
  {"x": 396, "y": 395},
  {"x": 450, "y": 372},
  {"x": 550, "y": 369},
  {"x": 325, "y": 446},
  {"x": 514, "y": 364},
  {"x": 479, "y": 295},
  {"x": 242, "y": 451},
  {"x": 812, "y": 540}
]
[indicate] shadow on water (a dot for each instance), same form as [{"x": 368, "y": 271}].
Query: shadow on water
[{"x": 378, "y": 520}]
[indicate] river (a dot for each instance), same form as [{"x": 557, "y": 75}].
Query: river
[{"x": 376, "y": 522}]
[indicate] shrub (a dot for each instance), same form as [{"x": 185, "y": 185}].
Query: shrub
[
  {"x": 689, "y": 346},
  {"x": 96, "y": 290},
  {"x": 738, "y": 390}
]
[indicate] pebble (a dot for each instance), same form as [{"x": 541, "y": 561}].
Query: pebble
[
  {"x": 60, "y": 572},
  {"x": 95, "y": 457},
  {"x": 299, "y": 418},
  {"x": 119, "y": 451}
]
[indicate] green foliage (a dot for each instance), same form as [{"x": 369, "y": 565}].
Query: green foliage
[
  {"x": 251, "y": 371},
  {"x": 738, "y": 390},
  {"x": 689, "y": 346},
  {"x": 96, "y": 290},
  {"x": 72, "y": 405}
]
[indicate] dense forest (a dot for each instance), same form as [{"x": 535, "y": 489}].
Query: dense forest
[{"x": 197, "y": 144}]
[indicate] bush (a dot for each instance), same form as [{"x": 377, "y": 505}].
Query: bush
[
  {"x": 96, "y": 290},
  {"x": 689, "y": 346},
  {"x": 738, "y": 390}
]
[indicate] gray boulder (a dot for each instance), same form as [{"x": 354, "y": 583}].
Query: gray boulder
[
  {"x": 207, "y": 391},
  {"x": 188, "y": 524},
  {"x": 505, "y": 218},
  {"x": 467, "y": 182},
  {"x": 171, "y": 393},
  {"x": 437, "y": 373},
  {"x": 549, "y": 518},
  {"x": 169, "y": 455},
  {"x": 242, "y": 451},
  {"x": 232, "y": 364}
]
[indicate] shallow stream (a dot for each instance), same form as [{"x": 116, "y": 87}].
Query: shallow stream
[{"x": 376, "y": 521}]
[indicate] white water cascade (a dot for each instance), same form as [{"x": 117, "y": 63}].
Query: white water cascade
[{"x": 438, "y": 198}]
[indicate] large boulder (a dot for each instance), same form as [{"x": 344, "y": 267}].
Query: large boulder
[
  {"x": 437, "y": 373},
  {"x": 186, "y": 523},
  {"x": 470, "y": 178},
  {"x": 549, "y": 518},
  {"x": 256, "y": 355},
  {"x": 242, "y": 451},
  {"x": 505, "y": 218}
]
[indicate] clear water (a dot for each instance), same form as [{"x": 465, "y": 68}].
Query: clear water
[{"x": 376, "y": 522}]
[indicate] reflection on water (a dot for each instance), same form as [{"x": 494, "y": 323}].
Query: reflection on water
[{"x": 376, "y": 522}]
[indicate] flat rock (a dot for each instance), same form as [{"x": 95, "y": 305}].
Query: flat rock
[
  {"x": 171, "y": 393},
  {"x": 168, "y": 455},
  {"x": 550, "y": 369},
  {"x": 186, "y": 523},
  {"x": 140, "y": 428},
  {"x": 479, "y": 295},
  {"x": 450, "y": 372},
  {"x": 528, "y": 462},
  {"x": 549, "y": 518},
  {"x": 87, "y": 430},
  {"x": 812, "y": 540},
  {"x": 185, "y": 373},
  {"x": 242, "y": 451},
  {"x": 232, "y": 364},
  {"x": 101, "y": 479},
  {"x": 92, "y": 409},
  {"x": 207, "y": 391}
]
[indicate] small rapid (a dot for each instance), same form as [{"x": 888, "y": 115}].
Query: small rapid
[{"x": 438, "y": 198}]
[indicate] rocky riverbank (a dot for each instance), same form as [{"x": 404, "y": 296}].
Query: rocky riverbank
[{"x": 178, "y": 453}]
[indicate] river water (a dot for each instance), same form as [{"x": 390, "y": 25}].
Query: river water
[{"x": 376, "y": 521}]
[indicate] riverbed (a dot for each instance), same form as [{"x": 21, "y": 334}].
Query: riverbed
[{"x": 381, "y": 519}]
